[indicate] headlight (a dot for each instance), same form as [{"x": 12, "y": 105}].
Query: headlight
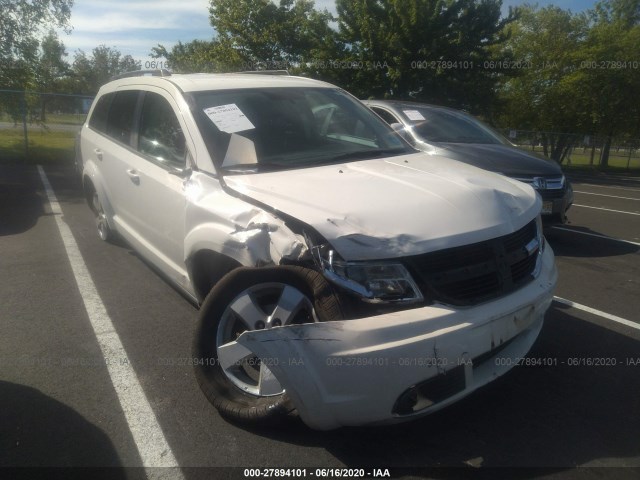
[
  {"x": 541, "y": 245},
  {"x": 373, "y": 281}
]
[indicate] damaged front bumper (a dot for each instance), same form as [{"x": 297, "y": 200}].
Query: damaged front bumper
[{"x": 405, "y": 364}]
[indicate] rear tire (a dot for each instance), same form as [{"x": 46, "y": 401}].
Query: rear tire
[
  {"x": 102, "y": 225},
  {"x": 234, "y": 380}
]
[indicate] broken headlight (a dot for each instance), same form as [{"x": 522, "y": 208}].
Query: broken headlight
[{"x": 373, "y": 281}]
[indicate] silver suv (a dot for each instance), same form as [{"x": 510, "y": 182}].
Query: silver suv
[{"x": 340, "y": 273}]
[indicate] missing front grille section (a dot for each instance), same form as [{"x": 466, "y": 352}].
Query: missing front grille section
[
  {"x": 430, "y": 392},
  {"x": 479, "y": 272}
]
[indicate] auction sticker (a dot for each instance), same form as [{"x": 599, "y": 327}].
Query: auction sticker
[
  {"x": 229, "y": 118},
  {"x": 413, "y": 115}
]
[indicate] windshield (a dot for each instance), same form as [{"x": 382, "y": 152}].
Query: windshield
[
  {"x": 447, "y": 126},
  {"x": 264, "y": 129}
]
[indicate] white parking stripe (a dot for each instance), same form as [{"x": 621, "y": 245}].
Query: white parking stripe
[
  {"x": 606, "y": 186},
  {"x": 610, "y": 196},
  {"x": 606, "y": 209},
  {"x": 147, "y": 434},
  {"x": 595, "y": 235},
  {"x": 599, "y": 313}
]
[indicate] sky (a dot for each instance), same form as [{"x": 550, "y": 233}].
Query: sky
[{"x": 133, "y": 27}]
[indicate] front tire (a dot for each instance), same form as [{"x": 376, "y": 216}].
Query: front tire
[{"x": 232, "y": 378}]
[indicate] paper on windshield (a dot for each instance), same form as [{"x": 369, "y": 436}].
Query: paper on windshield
[
  {"x": 413, "y": 115},
  {"x": 229, "y": 118}
]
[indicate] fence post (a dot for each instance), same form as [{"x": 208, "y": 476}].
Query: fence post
[{"x": 24, "y": 125}]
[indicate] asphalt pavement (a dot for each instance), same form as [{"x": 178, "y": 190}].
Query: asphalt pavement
[{"x": 61, "y": 407}]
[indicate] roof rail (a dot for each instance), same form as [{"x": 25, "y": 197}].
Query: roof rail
[
  {"x": 143, "y": 73},
  {"x": 265, "y": 72}
]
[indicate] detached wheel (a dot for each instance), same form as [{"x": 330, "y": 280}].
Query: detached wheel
[
  {"x": 104, "y": 230},
  {"x": 232, "y": 377}
]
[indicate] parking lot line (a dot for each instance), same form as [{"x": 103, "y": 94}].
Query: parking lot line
[
  {"x": 607, "y": 186},
  {"x": 608, "y": 316},
  {"x": 595, "y": 235},
  {"x": 606, "y": 209},
  {"x": 147, "y": 434},
  {"x": 610, "y": 196}
]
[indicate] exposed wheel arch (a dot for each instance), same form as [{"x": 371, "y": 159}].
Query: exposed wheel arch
[
  {"x": 206, "y": 268},
  {"x": 88, "y": 189}
]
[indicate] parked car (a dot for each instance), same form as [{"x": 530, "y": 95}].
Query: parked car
[
  {"x": 340, "y": 273},
  {"x": 457, "y": 135}
]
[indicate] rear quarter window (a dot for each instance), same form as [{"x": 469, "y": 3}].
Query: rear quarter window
[
  {"x": 121, "y": 115},
  {"x": 98, "y": 120}
]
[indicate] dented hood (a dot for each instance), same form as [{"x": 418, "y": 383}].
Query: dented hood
[{"x": 405, "y": 205}]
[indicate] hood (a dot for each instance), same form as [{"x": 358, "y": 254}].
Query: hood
[
  {"x": 498, "y": 158},
  {"x": 388, "y": 208}
]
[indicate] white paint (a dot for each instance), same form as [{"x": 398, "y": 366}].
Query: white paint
[
  {"x": 596, "y": 235},
  {"x": 147, "y": 434},
  {"x": 610, "y": 196},
  {"x": 395, "y": 207},
  {"x": 350, "y": 372},
  {"x": 608, "y": 316},
  {"x": 606, "y": 209}
]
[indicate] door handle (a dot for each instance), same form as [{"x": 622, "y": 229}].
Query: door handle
[
  {"x": 133, "y": 175},
  {"x": 98, "y": 153}
]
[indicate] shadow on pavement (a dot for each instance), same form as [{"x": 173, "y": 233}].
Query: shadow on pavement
[
  {"x": 38, "y": 431},
  {"x": 20, "y": 203},
  {"x": 567, "y": 244},
  {"x": 554, "y": 417}
]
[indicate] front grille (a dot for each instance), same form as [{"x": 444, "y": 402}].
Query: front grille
[
  {"x": 554, "y": 187},
  {"x": 479, "y": 272}
]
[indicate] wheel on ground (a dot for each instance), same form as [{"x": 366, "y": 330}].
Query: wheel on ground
[
  {"x": 232, "y": 377},
  {"x": 104, "y": 230}
]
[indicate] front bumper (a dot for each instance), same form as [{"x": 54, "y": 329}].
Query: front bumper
[
  {"x": 555, "y": 207},
  {"x": 355, "y": 372}
]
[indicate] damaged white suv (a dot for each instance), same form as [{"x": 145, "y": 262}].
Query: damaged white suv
[{"x": 341, "y": 274}]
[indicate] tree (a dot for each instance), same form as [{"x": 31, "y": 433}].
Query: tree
[
  {"x": 544, "y": 43},
  {"x": 427, "y": 50},
  {"x": 609, "y": 79},
  {"x": 215, "y": 56},
  {"x": 50, "y": 69},
  {"x": 91, "y": 72},
  {"x": 255, "y": 35},
  {"x": 21, "y": 27}
]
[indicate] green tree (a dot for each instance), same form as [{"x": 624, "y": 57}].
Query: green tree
[
  {"x": 608, "y": 81},
  {"x": 428, "y": 50},
  {"x": 213, "y": 56},
  {"x": 22, "y": 24},
  {"x": 544, "y": 43},
  {"x": 255, "y": 35},
  {"x": 91, "y": 72},
  {"x": 51, "y": 68}
]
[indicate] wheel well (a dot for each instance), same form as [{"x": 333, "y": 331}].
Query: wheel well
[
  {"x": 206, "y": 268},
  {"x": 88, "y": 189}
]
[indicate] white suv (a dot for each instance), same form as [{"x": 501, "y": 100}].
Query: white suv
[{"x": 340, "y": 273}]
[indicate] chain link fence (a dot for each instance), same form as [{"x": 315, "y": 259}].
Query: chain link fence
[
  {"x": 578, "y": 149},
  {"x": 40, "y": 127}
]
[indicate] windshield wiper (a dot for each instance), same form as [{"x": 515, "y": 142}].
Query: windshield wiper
[{"x": 363, "y": 154}]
